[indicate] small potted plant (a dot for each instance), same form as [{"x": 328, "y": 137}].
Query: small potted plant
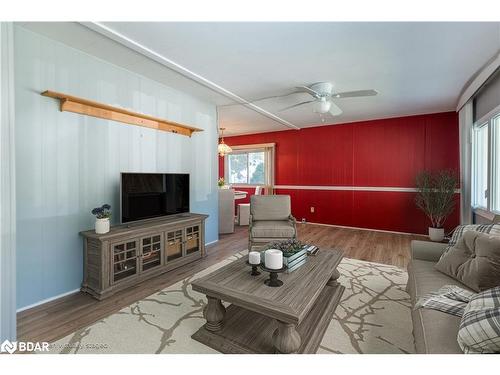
[
  {"x": 102, "y": 214},
  {"x": 288, "y": 247},
  {"x": 222, "y": 183},
  {"x": 435, "y": 198}
]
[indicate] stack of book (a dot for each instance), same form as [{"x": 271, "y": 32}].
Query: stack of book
[
  {"x": 298, "y": 259},
  {"x": 311, "y": 249}
]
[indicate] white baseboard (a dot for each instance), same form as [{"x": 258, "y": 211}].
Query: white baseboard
[
  {"x": 70, "y": 292},
  {"x": 48, "y": 300},
  {"x": 368, "y": 229}
]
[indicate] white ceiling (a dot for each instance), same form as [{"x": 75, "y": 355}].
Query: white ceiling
[
  {"x": 415, "y": 67},
  {"x": 86, "y": 40}
]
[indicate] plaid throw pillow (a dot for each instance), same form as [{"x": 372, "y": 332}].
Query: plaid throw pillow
[
  {"x": 450, "y": 299},
  {"x": 479, "y": 330},
  {"x": 493, "y": 229}
]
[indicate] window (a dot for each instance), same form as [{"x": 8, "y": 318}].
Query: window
[
  {"x": 249, "y": 165},
  {"x": 480, "y": 166},
  {"x": 486, "y": 164},
  {"x": 495, "y": 173},
  {"x": 246, "y": 168}
]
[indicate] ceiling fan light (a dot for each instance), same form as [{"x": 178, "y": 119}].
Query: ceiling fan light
[{"x": 322, "y": 106}]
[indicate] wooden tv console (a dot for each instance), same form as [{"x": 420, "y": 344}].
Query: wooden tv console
[{"x": 131, "y": 253}]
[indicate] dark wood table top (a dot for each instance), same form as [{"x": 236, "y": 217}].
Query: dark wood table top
[{"x": 289, "y": 303}]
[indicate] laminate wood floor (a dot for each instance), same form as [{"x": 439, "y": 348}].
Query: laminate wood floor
[{"x": 56, "y": 319}]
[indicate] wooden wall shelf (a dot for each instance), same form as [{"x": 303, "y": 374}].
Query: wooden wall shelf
[{"x": 95, "y": 109}]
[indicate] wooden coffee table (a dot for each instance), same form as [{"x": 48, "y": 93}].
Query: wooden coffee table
[{"x": 262, "y": 319}]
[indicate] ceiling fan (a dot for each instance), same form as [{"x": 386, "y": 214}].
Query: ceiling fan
[{"x": 322, "y": 93}]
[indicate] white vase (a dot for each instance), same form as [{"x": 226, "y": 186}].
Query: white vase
[
  {"x": 436, "y": 234},
  {"x": 102, "y": 226}
]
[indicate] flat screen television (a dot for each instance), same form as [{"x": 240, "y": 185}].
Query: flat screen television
[{"x": 150, "y": 195}]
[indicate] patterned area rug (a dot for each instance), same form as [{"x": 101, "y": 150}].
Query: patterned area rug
[{"x": 373, "y": 317}]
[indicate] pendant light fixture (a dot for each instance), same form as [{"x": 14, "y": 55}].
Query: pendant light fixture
[{"x": 222, "y": 148}]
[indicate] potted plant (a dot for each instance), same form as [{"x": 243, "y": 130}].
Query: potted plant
[
  {"x": 222, "y": 183},
  {"x": 288, "y": 247},
  {"x": 435, "y": 198},
  {"x": 102, "y": 214}
]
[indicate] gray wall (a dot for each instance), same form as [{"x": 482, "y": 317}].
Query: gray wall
[
  {"x": 488, "y": 97},
  {"x": 68, "y": 163}
]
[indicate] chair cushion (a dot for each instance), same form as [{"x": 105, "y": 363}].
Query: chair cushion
[
  {"x": 270, "y": 207},
  {"x": 434, "y": 331},
  {"x": 474, "y": 261},
  {"x": 424, "y": 279},
  {"x": 273, "y": 229}
]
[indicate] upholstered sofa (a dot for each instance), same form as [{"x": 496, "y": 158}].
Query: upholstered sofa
[{"x": 434, "y": 332}]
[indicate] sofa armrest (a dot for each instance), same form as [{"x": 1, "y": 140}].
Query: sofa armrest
[{"x": 425, "y": 250}]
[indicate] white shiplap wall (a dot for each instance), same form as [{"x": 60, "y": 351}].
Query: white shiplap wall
[{"x": 68, "y": 163}]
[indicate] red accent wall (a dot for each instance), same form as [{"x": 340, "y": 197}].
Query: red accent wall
[{"x": 378, "y": 153}]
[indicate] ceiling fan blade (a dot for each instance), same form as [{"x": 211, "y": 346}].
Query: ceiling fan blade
[
  {"x": 296, "y": 105},
  {"x": 334, "y": 109},
  {"x": 307, "y": 90},
  {"x": 259, "y": 99},
  {"x": 272, "y": 97},
  {"x": 354, "y": 94}
]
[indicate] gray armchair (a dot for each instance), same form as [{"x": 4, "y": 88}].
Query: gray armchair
[{"x": 270, "y": 220}]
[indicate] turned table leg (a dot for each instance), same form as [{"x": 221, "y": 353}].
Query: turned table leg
[
  {"x": 214, "y": 313},
  {"x": 333, "y": 281},
  {"x": 286, "y": 339}
]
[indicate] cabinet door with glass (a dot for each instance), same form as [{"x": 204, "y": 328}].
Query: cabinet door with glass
[
  {"x": 151, "y": 252},
  {"x": 124, "y": 256},
  {"x": 192, "y": 239},
  {"x": 175, "y": 245}
]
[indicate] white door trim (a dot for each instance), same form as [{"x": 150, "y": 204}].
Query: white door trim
[{"x": 7, "y": 186}]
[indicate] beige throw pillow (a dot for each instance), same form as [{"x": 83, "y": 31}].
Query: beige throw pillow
[{"x": 474, "y": 261}]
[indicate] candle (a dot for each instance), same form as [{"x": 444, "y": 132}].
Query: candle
[
  {"x": 254, "y": 257},
  {"x": 273, "y": 259}
]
